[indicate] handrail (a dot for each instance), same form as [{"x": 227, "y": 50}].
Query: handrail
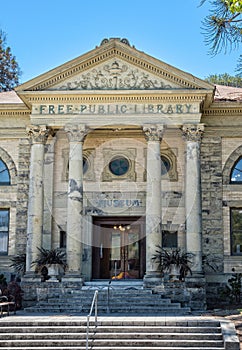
[
  {"x": 108, "y": 296},
  {"x": 94, "y": 301}
]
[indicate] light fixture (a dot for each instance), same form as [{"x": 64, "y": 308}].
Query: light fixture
[{"x": 122, "y": 228}]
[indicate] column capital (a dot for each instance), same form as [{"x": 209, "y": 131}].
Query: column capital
[
  {"x": 193, "y": 132},
  {"x": 153, "y": 132},
  {"x": 38, "y": 133},
  {"x": 76, "y": 133}
]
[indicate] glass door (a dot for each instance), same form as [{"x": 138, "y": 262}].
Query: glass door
[
  {"x": 119, "y": 251},
  {"x": 125, "y": 252}
]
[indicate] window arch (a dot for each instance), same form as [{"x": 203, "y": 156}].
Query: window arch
[
  {"x": 4, "y": 174},
  {"x": 236, "y": 172}
]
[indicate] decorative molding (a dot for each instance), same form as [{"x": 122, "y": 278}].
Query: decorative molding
[
  {"x": 38, "y": 133},
  {"x": 221, "y": 110},
  {"x": 89, "y": 155},
  {"x": 153, "y": 132},
  {"x": 232, "y": 159},
  {"x": 14, "y": 112},
  {"x": 106, "y": 41},
  {"x": 76, "y": 133},
  {"x": 151, "y": 65},
  {"x": 7, "y": 159},
  {"x": 115, "y": 75},
  {"x": 172, "y": 174},
  {"x": 115, "y": 96},
  {"x": 193, "y": 132},
  {"x": 109, "y": 154}
]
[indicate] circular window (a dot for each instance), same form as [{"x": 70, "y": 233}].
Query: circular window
[
  {"x": 85, "y": 165},
  {"x": 165, "y": 165},
  {"x": 119, "y": 166}
]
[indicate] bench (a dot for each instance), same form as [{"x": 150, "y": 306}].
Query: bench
[{"x": 6, "y": 304}]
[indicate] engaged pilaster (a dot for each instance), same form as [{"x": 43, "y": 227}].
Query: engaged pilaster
[
  {"x": 76, "y": 135},
  {"x": 38, "y": 135},
  {"x": 193, "y": 135},
  {"x": 153, "y": 134}
]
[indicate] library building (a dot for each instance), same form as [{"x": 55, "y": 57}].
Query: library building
[{"x": 126, "y": 166}]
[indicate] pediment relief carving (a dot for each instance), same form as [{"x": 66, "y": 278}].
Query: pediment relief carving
[{"x": 115, "y": 75}]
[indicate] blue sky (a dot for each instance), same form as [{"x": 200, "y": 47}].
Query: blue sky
[{"x": 46, "y": 33}]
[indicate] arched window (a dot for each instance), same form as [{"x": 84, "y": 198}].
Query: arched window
[{"x": 4, "y": 174}]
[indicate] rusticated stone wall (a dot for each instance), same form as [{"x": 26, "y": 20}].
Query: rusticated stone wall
[{"x": 212, "y": 219}]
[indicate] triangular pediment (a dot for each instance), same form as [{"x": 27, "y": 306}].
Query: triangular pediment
[
  {"x": 115, "y": 74},
  {"x": 114, "y": 65}
]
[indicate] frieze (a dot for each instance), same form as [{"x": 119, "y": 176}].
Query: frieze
[
  {"x": 115, "y": 75},
  {"x": 115, "y": 109}
]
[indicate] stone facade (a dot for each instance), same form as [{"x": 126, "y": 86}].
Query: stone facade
[{"x": 111, "y": 155}]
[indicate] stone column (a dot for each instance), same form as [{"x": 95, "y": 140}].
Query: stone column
[
  {"x": 38, "y": 135},
  {"x": 153, "y": 135},
  {"x": 193, "y": 134},
  {"x": 76, "y": 135}
]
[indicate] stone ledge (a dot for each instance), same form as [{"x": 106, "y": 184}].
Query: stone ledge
[{"x": 231, "y": 340}]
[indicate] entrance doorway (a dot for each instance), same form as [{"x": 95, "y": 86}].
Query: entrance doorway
[{"x": 118, "y": 251}]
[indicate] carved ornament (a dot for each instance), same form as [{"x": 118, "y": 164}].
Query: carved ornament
[
  {"x": 76, "y": 133},
  {"x": 38, "y": 133},
  {"x": 153, "y": 132},
  {"x": 193, "y": 132},
  {"x": 113, "y": 76}
]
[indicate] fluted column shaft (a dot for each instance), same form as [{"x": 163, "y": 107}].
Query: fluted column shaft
[
  {"x": 193, "y": 135},
  {"x": 76, "y": 135},
  {"x": 153, "y": 135},
  {"x": 38, "y": 135}
]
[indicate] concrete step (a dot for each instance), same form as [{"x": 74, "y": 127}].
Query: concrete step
[
  {"x": 114, "y": 310},
  {"x": 121, "y": 301},
  {"x": 108, "y": 348},
  {"x": 116, "y": 334}
]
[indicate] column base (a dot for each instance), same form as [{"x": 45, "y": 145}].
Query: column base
[
  {"x": 196, "y": 287},
  {"x": 72, "y": 277},
  {"x": 152, "y": 279},
  {"x": 30, "y": 277}
]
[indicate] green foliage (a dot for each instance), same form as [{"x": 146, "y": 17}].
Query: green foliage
[
  {"x": 19, "y": 263},
  {"x": 234, "y": 5},
  {"x": 166, "y": 258},
  {"x": 3, "y": 281},
  {"x": 222, "y": 28},
  {"x": 239, "y": 67},
  {"x": 225, "y": 79},
  {"x": 48, "y": 257},
  {"x": 233, "y": 289},
  {"x": 9, "y": 69}
]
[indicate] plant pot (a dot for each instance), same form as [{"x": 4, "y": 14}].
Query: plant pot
[
  {"x": 53, "y": 272},
  {"x": 174, "y": 272}
]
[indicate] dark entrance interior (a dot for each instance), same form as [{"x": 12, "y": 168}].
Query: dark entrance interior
[{"x": 118, "y": 248}]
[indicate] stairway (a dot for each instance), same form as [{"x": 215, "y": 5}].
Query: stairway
[
  {"x": 113, "y": 301},
  {"x": 43, "y": 333}
]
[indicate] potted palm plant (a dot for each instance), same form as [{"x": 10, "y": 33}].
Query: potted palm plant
[
  {"x": 19, "y": 264},
  {"x": 173, "y": 261},
  {"x": 52, "y": 259}
]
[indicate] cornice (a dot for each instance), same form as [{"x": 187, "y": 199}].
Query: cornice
[
  {"x": 130, "y": 96},
  {"x": 222, "y": 109},
  {"x": 14, "y": 110}
]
